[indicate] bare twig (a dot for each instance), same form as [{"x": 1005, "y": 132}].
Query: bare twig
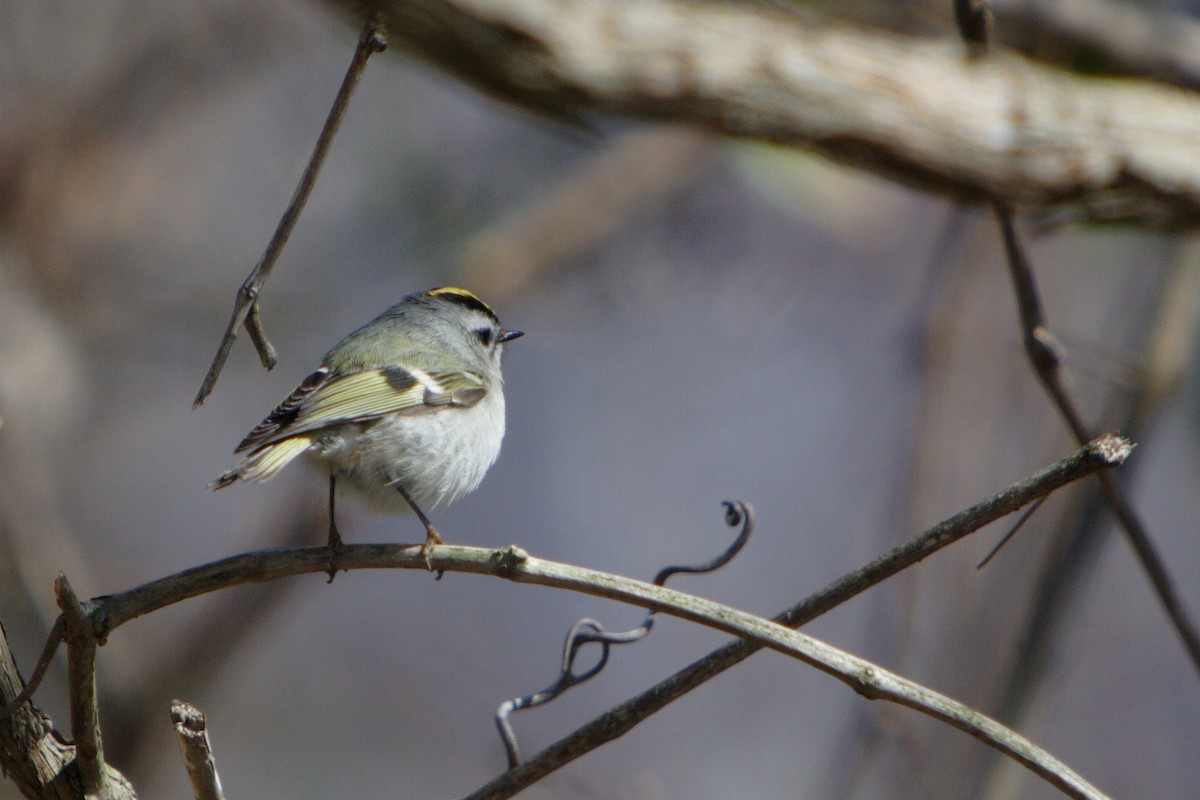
[
  {"x": 912, "y": 110},
  {"x": 974, "y": 20},
  {"x": 245, "y": 308},
  {"x": 1045, "y": 356},
  {"x": 39, "y": 671},
  {"x": 197, "y": 753},
  {"x": 93, "y": 778},
  {"x": 1072, "y": 557},
  {"x": 869, "y": 680},
  {"x": 1006, "y": 538}
]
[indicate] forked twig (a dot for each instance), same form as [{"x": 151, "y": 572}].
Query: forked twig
[
  {"x": 1044, "y": 354},
  {"x": 245, "y": 306},
  {"x": 589, "y": 631}
]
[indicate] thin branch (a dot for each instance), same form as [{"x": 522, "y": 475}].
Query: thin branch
[
  {"x": 81, "y": 677},
  {"x": 32, "y": 754},
  {"x": 39, "y": 671},
  {"x": 974, "y": 20},
  {"x": 1105, "y": 452},
  {"x": 1006, "y": 538},
  {"x": 197, "y": 753},
  {"x": 1045, "y": 356},
  {"x": 245, "y": 307},
  {"x": 869, "y": 680},
  {"x": 1072, "y": 557},
  {"x": 515, "y": 564},
  {"x": 108, "y": 612},
  {"x": 912, "y": 110}
]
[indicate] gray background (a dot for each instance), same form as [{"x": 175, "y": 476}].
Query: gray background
[{"x": 768, "y": 328}]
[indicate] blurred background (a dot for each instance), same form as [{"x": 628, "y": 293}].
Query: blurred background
[{"x": 705, "y": 319}]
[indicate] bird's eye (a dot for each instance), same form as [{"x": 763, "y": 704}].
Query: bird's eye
[{"x": 485, "y": 336}]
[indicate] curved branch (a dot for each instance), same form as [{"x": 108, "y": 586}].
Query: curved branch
[
  {"x": 108, "y": 612},
  {"x": 869, "y": 680},
  {"x": 916, "y": 111}
]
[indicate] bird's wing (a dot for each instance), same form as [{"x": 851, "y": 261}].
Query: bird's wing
[{"x": 326, "y": 398}]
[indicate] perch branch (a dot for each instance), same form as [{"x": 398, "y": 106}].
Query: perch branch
[
  {"x": 912, "y": 110},
  {"x": 868, "y": 679},
  {"x": 108, "y": 612}
]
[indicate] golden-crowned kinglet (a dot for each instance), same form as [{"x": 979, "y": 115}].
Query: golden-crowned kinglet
[{"x": 408, "y": 410}]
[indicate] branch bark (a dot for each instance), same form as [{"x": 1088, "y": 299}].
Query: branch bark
[
  {"x": 916, "y": 111},
  {"x": 192, "y": 733},
  {"x": 33, "y": 755}
]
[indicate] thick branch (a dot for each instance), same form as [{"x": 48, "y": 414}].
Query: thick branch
[
  {"x": 32, "y": 755},
  {"x": 917, "y": 111}
]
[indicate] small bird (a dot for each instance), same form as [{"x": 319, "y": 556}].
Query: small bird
[{"x": 408, "y": 411}]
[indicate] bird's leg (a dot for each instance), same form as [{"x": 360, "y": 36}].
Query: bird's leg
[
  {"x": 335, "y": 538},
  {"x": 431, "y": 534}
]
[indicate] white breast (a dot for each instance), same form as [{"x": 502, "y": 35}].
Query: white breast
[{"x": 436, "y": 456}]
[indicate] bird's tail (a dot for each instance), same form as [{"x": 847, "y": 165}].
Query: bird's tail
[
  {"x": 264, "y": 462},
  {"x": 224, "y": 479}
]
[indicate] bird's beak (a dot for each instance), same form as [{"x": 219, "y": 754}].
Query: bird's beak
[{"x": 508, "y": 336}]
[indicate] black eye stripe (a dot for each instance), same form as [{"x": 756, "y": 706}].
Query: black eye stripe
[{"x": 485, "y": 336}]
